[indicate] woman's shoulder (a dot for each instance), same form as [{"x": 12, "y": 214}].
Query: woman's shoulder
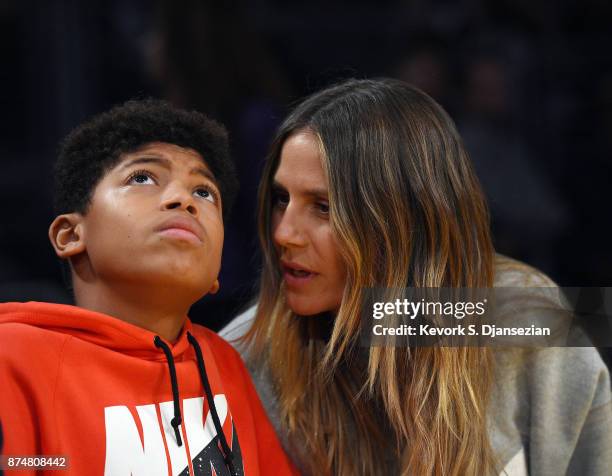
[
  {"x": 530, "y": 292},
  {"x": 236, "y": 329},
  {"x": 512, "y": 273}
]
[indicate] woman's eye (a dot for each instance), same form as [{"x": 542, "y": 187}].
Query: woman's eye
[
  {"x": 141, "y": 178},
  {"x": 323, "y": 207},
  {"x": 206, "y": 194},
  {"x": 280, "y": 200}
]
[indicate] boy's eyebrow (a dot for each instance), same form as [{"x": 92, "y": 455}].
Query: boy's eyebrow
[
  {"x": 163, "y": 162},
  {"x": 313, "y": 192}
]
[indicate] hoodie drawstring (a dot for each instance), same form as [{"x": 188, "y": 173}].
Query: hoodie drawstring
[
  {"x": 177, "y": 420},
  {"x": 228, "y": 455}
]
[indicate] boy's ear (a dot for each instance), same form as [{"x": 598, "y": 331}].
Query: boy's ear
[
  {"x": 67, "y": 235},
  {"x": 214, "y": 288}
]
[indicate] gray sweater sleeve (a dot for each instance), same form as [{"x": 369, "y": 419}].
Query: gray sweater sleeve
[
  {"x": 554, "y": 404},
  {"x": 593, "y": 450},
  {"x": 571, "y": 425}
]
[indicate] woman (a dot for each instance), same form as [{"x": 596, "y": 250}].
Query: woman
[{"x": 368, "y": 185}]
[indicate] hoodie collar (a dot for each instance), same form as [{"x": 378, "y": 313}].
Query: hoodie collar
[{"x": 94, "y": 327}]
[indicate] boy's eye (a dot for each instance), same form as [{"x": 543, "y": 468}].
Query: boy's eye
[
  {"x": 207, "y": 194},
  {"x": 141, "y": 177}
]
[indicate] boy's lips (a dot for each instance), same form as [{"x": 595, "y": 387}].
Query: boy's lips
[
  {"x": 182, "y": 228},
  {"x": 296, "y": 275}
]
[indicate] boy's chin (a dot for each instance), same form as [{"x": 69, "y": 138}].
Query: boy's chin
[
  {"x": 195, "y": 288},
  {"x": 178, "y": 285}
]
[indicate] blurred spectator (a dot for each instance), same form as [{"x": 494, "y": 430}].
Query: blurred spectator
[
  {"x": 426, "y": 66},
  {"x": 528, "y": 215}
]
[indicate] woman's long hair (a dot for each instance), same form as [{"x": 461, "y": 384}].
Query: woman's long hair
[{"x": 406, "y": 210}]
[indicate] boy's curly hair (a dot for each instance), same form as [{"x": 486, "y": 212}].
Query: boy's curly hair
[{"x": 94, "y": 147}]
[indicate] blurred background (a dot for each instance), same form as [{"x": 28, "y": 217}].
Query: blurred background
[{"x": 529, "y": 84}]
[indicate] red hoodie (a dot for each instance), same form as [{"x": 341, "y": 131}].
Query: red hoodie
[{"x": 99, "y": 391}]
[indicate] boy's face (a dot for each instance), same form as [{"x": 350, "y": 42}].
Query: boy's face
[{"x": 156, "y": 219}]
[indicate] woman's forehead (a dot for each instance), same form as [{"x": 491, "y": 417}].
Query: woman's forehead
[{"x": 300, "y": 164}]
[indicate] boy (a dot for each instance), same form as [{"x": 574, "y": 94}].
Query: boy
[{"x": 123, "y": 383}]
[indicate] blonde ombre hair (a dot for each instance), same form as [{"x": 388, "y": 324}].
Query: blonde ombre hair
[{"x": 406, "y": 210}]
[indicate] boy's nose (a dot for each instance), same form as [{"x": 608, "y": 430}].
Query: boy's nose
[{"x": 178, "y": 197}]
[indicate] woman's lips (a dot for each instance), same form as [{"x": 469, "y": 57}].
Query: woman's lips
[{"x": 296, "y": 276}]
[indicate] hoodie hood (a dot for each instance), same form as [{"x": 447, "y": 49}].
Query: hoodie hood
[{"x": 94, "y": 327}]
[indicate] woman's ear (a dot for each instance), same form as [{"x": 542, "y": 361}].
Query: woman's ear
[{"x": 67, "y": 235}]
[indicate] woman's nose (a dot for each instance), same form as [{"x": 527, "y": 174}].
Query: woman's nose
[{"x": 289, "y": 230}]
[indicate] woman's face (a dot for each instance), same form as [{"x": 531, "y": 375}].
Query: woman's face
[{"x": 310, "y": 261}]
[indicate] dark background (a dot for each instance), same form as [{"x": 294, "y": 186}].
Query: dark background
[{"x": 529, "y": 84}]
